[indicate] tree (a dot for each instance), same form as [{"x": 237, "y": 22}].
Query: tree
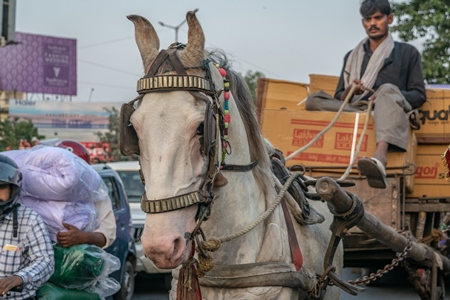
[
  {"x": 13, "y": 132},
  {"x": 428, "y": 20},
  {"x": 112, "y": 136},
  {"x": 251, "y": 78}
]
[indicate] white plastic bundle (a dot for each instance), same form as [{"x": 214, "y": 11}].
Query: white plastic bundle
[{"x": 60, "y": 187}]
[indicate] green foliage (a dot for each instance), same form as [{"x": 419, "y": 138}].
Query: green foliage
[
  {"x": 13, "y": 131},
  {"x": 428, "y": 20},
  {"x": 112, "y": 136},
  {"x": 251, "y": 78}
]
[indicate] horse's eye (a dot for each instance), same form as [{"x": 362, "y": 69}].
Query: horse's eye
[{"x": 200, "y": 129}]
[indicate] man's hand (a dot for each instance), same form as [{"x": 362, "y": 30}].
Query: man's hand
[
  {"x": 73, "y": 236},
  {"x": 357, "y": 91},
  {"x": 8, "y": 283},
  {"x": 359, "y": 87}
]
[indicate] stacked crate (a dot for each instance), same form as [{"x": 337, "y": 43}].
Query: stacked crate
[
  {"x": 281, "y": 106},
  {"x": 417, "y": 202},
  {"x": 289, "y": 126},
  {"x": 433, "y": 138}
]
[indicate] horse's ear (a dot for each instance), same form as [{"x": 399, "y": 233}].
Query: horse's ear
[
  {"x": 146, "y": 39},
  {"x": 194, "y": 52}
]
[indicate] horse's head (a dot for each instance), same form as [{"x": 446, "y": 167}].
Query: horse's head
[
  {"x": 179, "y": 127},
  {"x": 175, "y": 122}
]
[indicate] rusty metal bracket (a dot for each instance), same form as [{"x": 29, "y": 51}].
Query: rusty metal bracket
[{"x": 342, "y": 221}]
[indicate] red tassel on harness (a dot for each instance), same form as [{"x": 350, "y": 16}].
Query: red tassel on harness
[{"x": 188, "y": 287}]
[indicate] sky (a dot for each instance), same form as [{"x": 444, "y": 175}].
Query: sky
[{"x": 283, "y": 39}]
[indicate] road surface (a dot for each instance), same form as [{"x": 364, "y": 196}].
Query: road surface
[{"x": 394, "y": 287}]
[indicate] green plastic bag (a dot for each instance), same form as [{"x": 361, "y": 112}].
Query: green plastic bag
[
  {"x": 50, "y": 291},
  {"x": 78, "y": 267}
]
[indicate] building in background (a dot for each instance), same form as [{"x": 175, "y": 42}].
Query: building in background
[
  {"x": 36, "y": 70},
  {"x": 4, "y": 102},
  {"x": 67, "y": 120}
]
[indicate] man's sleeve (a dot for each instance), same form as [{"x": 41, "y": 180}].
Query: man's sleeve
[
  {"x": 40, "y": 255},
  {"x": 415, "y": 93},
  {"x": 106, "y": 221},
  {"x": 340, "y": 86}
]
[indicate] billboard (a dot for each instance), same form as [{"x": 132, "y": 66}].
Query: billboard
[
  {"x": 64, "y": 120},
  {"x": 39, "y": 64}
]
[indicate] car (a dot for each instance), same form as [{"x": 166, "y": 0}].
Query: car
[
  {"x": 129, "y": 174},
  {"x": 123, "y": 246}
]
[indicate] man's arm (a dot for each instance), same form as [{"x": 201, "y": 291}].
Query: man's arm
[
  {"x": 415, "y": 90},
  {"x": 340, "y": 89},
  {"x": 102, "y": 237},
  {"x": 106, "y": 221},
  {"x": 40, "y": 255},
  {"x": 74, "y": 236},
  {"x": 10, "y": 283}
]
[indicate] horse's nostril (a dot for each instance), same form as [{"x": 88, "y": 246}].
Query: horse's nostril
[{"x": 178, "y": 246}]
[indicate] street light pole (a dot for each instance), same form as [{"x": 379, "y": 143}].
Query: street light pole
[
  {"x": 90, "y": 95},
  {"x": 176, "y": 27}
]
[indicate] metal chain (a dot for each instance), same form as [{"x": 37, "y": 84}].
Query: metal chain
[{"x": 379, "y": 273}]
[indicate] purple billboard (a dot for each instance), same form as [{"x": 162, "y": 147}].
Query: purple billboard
[{"x": 39, "y": 64}]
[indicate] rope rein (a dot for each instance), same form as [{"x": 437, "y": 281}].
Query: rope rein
[
  {"x": 213, "y": 244},
  {"x": 336, "y": 117},
  {"x": 358, "y": 147}
]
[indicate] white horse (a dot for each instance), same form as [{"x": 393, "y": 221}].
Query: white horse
[{"x": 180, "y": 154}]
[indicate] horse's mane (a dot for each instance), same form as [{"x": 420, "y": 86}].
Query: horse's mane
[{"x": 247, "y": 110}]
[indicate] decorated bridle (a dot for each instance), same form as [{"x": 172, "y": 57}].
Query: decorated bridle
[
  {"x": 213, "y": 133},
  {"x": 214, "y": 142}
]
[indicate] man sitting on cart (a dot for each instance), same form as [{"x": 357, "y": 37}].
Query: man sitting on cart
[{"x": 394, "y": 71}]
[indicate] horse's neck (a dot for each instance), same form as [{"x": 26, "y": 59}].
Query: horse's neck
[{"x": 240, "y": 203}]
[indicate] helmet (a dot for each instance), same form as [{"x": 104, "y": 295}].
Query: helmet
[
  {"x": 76, "y": 148},
  {"x": 9, "y": 174}
]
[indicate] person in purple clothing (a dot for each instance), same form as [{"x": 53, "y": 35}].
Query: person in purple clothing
[{"x": 26, "y": 256}]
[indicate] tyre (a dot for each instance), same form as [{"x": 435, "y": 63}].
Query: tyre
[
  {"x": 168, "y": 281},
  {"x": 127, "y": 283}
]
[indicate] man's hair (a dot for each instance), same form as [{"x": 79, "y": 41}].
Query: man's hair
[{"x": 369, "y": 7}]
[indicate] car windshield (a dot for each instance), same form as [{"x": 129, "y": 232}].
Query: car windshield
[{"x": 133, "y": 185}]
